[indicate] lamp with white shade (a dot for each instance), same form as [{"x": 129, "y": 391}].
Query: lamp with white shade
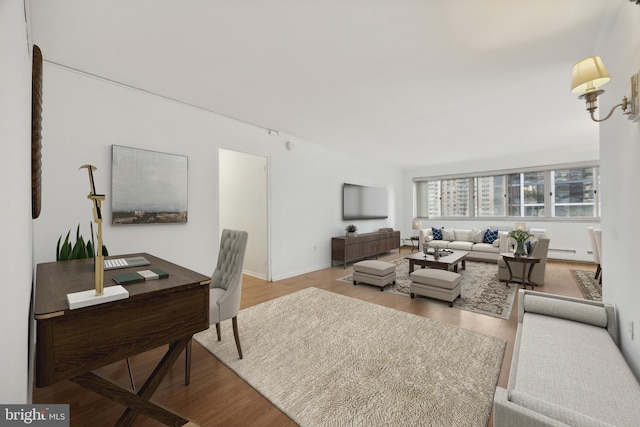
[
  {"x": 589, "y": 75},
  {"x": 416, "y": 225}
]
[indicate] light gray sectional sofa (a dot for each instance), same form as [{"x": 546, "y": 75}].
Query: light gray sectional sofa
[
  {"x": 567, "y": 369},
  {"x": 468, "y": 240}
]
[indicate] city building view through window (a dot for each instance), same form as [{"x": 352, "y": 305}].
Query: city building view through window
[{"x": 570, "y": 192}]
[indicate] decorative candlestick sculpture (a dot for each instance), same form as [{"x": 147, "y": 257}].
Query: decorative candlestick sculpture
[
  {"x": 97, "y": 218},
  {"x": 101, "y": 294}
]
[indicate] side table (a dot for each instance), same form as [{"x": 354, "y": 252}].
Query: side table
[
  {"x": 525, "y": 277},
  {"x": 414, "y": 241}
]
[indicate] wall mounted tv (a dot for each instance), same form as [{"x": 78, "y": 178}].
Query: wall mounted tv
[{"x": 361, "y": 202}]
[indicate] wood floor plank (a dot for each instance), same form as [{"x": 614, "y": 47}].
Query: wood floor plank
[{"x": 218, "y": 397}]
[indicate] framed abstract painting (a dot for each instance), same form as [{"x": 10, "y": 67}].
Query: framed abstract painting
[{"x": 148, "y": 187}]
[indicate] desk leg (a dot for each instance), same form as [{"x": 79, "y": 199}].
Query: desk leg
[
  {"x": 187, "y": 363},
  {"x": 139, "y": 403}
]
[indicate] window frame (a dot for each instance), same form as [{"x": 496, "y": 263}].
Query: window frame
[{"x": 474, "y": 211}]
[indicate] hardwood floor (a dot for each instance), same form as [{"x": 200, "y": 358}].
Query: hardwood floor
[{"x": 218, "y": 397}]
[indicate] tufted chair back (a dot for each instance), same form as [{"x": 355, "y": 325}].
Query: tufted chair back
[
  {"x": 232, "y": 248},
  {"x": 228, "y": 274}
]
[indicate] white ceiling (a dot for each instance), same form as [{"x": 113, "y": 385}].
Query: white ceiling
[{"x": 386, "y": 78}]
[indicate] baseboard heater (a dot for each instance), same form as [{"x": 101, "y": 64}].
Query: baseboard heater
[{"x": 566, "y": 251}]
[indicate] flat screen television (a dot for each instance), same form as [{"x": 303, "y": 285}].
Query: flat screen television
[{"x": 362, "y": 202}]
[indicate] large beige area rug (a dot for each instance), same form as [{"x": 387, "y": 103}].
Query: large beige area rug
[
  {"x": 330, "y": 360},
  {"x": 481, "y": 291}
]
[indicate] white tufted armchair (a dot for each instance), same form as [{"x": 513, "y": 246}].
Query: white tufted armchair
[{"x": 226, "y": 287}]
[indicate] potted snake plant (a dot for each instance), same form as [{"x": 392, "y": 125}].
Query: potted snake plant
[{"x": 79, "y": 249}]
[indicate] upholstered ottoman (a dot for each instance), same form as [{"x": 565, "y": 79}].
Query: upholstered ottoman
[
  {"x": 435, "y": 283},
  {"x": 377, "y": 273}
]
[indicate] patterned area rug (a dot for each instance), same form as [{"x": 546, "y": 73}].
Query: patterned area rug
[
  {"x": 481, "y": 291},
  {"x": 588, "y": 284},
  {"x": 327, "y": 359}
]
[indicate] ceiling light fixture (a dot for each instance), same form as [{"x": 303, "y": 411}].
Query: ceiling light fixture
[{"x": 588, "y": 75}]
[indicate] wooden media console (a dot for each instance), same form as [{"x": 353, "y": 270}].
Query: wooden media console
[{"x": 346, "y": 249}]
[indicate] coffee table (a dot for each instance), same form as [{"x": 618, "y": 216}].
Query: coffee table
[{"x": 449, "y": 262}]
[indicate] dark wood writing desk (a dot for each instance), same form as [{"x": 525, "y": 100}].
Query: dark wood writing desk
[{"x": 71, "y": 344}]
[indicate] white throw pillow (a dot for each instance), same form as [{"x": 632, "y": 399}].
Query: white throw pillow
[
  {"x": 448, "y": 234},
  {"x": 477, "y": 236}
]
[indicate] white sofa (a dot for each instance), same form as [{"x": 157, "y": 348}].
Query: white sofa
[
  {"x": 468, "y": 240},
  {"x": 567, "y": 369}
]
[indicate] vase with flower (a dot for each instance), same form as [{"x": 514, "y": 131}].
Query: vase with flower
[{"x": 520, "y": 236}]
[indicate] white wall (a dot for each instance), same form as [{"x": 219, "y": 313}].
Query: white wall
[
  {"x": 620, "y": 157},
  {"x": 15, "y": 193},
  {"x": 84, "y": 116},
  {"x": 244, "y": 205}
]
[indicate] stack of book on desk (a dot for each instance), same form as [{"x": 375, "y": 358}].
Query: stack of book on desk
[{"x": 139, "y": 276}]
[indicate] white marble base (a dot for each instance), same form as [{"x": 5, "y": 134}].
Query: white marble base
[{"x": 89, "y": 298}]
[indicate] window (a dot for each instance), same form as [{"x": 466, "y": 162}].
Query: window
[
  {"x": 490, "y": 195},
  {"x": 526, "y": 194},
  {"x": 569, "y": 192},
  {"x": 434, "y": 198},
  {"x": 422, "y": 199},
  {"x": 454, "y": 197},
  {"x": 574, "y": 192}
]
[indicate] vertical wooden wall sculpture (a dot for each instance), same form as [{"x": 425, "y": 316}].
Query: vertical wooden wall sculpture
[{"x": 36, "y": 133}]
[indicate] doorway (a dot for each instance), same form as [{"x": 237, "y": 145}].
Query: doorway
[{"x": 243, "y": 200}]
